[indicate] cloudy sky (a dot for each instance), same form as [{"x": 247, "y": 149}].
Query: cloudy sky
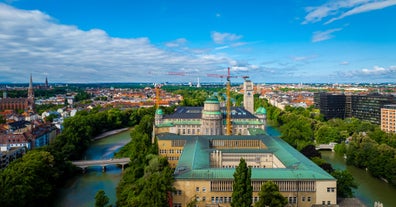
[{"x": 75, "y": 41}]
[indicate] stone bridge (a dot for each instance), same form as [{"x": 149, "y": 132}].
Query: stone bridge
[
  {"x": 329, "y": 146},
  {"x": 83, "y": 164}
]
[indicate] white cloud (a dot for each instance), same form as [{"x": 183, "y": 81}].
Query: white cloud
[
  {"x": 338, "y": 9},
  {"x": 344, "y": 63},
  {"x": 221, "y": 38},
  {"x": 324, "y": 35},
  {"x": 33, "y": 42},
  {"x": 376, "y": 73},
  {"x": 176, "y": 43},
  {"x": 364, "y": 8}
]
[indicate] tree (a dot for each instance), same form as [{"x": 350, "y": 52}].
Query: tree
[
  {"x": 101, "y": 199},
  {"x": 242, "y": 187},
  {"x": 345, "y": 183},
  {"x": 269, "y": 195}
]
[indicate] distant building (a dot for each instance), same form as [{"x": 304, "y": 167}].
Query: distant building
[
  {"x": 330, "y": 105},
  {"x": 19, "y": 103},
  {"x": 364, "y": 107},
  {"x": 388, "y": 118},
  {"x": 368, "y": 107}
]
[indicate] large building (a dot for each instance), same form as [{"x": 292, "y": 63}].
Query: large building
[
  {"x": 330, "y": 105},
  {"x": 205, "y": 164},
  {"x": 364, "y": 107},
  {"x": 388, "y": 118},
  {"x": 368, "y": 107},
  {"x": 209, "y": 120},
  {"x": 19, "y": 103}
]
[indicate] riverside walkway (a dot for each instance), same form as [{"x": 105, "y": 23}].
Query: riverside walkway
[{"x": 84, "y": 164}]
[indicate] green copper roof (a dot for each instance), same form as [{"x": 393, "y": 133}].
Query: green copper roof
[
  {"x": 212, "y": 112},
  {"x": 194, "y": 162},
  {"x": 212, "y": 99},
  {"x": 261, "y": 110},
  {"x": 159, "y": 111},
  {"x": 165, "y": 125}
]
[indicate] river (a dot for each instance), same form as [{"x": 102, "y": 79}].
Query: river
[{"x": 81, "y": 190}]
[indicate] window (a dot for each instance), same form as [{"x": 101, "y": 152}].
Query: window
[
  {"x": 203, "y": 189},
  {"x": 213, "y": 200},
  {"x": 309, "y": 199},
  {"x": 323, "y": 202},
  {"x": 328, "y": 202},
  {"x": 197, "y": 189},
  {"x": 303, "y": 199},
  {"x": 177, "y": 205},
  {"x": 203, "y": 198}
]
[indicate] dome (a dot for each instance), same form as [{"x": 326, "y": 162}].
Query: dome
[
  {"x": 212, "y": 99},
  {"x": 159, "y": 112},
  {"x": 261, "y": 110}
]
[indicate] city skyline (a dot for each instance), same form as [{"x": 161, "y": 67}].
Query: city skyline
[{"x": 121, "y": 41}]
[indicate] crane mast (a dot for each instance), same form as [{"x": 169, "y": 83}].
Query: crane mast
[{"x": 228, "y": 109}]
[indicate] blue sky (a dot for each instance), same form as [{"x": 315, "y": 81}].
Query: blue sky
[{"x": 309, "y": 41}]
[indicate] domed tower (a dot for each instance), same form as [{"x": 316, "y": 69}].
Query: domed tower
[
  {"x": 159, "y": 114},
  {"x": 212, "y": 118},
  {"x": 261, "y": 113}
]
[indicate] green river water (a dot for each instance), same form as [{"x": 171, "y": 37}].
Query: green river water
[{"x": 81, "y": 190}]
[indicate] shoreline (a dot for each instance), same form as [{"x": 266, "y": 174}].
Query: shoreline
[{"x": 109, "y": 133}]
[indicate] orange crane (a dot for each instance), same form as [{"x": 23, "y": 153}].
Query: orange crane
[{"x": 228, "y": 103}]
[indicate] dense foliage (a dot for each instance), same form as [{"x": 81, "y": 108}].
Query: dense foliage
[
  {"x": 242, "y": 187},
  {"x": 101, "y": 199},
  {"x": 269, "y": 195},
  {"x": 32, "y": 180},
  {"x": 368, "y": 147},
  {"x": 29, "y": 181},
  {"x": 148, "y": 179},
  {"x": 345, "y": 183}
]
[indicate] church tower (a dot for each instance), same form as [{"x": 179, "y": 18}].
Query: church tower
[
  {"x": 46, "y": 82},
  {"x": 31, "y": 94},
  {"x": 248, "y": 98}
]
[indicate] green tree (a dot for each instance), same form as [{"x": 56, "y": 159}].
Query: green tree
[
  {"x": 269, "y": 195},
  {"x": 345, "y": 183},
  {"x": 242, "y": 187},
  {"x": 101, "y": 199},
  {"x": 2, "y": 120},
  {"x": 28, "y": 181}
]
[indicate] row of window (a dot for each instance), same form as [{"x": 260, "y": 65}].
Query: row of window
[
  {"x": 172, "y": 158},
  {"x": 331, "y": 190},
  {"x": 171, "y": 151}
]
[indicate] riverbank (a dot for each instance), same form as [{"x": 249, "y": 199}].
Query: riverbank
[{"x": 109, "y": 133}]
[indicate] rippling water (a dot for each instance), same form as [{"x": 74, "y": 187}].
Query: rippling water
[{"x": 81, "y": 190}]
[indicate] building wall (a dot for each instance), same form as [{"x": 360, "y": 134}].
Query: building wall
[
  {"x": 388, "y": 119},
  {"x": 326, "y": 191},
  {"x": 219, "y": 192},
  {"x": 171, "y": 149}
]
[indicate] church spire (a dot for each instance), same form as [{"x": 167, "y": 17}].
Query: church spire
[
  {"x": 46, "y": 82},
  {"x": 30, "y": 90}
]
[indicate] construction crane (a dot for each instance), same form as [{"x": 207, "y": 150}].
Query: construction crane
[{"x": 228, "y": 103}]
